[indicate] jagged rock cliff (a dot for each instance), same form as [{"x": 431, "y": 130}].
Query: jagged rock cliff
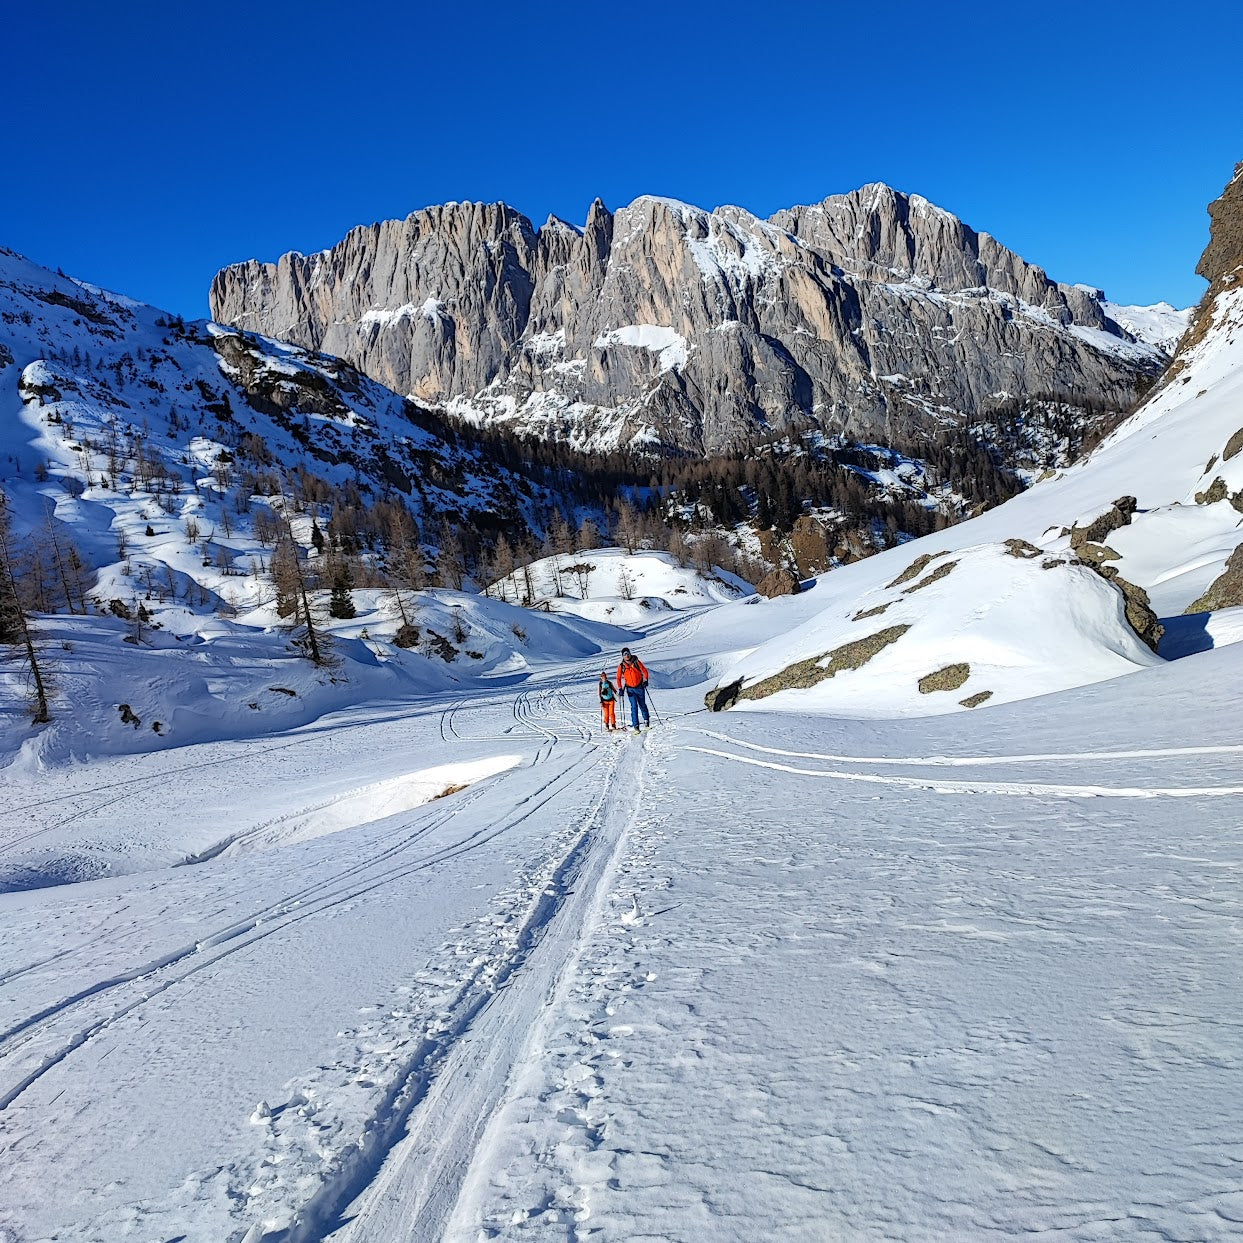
[
  {"x": 1223, "y": 256},
  {"x": 680, "y": 329}
]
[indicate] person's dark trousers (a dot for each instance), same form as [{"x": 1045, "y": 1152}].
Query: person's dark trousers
[{"x": 638, "y": 701}]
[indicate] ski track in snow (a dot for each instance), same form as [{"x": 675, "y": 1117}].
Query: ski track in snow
[
  {"x": 973, "y": 760},
  {"x": 953, "y": 1023},
  {"x": 941, "y": 785},
  {"x": 40, "y": 1042},
  {"x": 155, "y": 977},
  {"x": 685, "y": 1004},
  {"x": 424, "y": 1179}
]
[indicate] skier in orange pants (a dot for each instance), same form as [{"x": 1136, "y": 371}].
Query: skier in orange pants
[{"x": 608, "y": 700}]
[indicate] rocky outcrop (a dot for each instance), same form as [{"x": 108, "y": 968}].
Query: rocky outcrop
[
  {"x": 1140, "y": 615},
  {"x": 778, "y": 582},
  {"x": 1118, "y": 515},
  {"x": 673, "y": 328},
  {"x": 1221, "y": 265},
  {"x": 1226, "y": 590},
  {"x": 974, "y": 701},
  {"x": 803, "y": 674},
  {"x": 950, "y": 678},
  {"x": 1223, "y": 256}
]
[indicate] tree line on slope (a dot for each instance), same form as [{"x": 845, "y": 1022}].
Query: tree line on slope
[{"x": 368, "y": 534}]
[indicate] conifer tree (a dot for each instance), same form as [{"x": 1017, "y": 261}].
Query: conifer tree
[
  {"x": 341, "y": 602},
  {"x": 15, "y": 625},
  {"x": 588, "y": 535},
  {"x": 450, "y": 563},
  {"x": 293, "y": 598}
]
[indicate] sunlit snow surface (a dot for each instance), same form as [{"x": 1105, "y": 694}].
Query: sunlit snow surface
[{"x": 746, "y": 976}]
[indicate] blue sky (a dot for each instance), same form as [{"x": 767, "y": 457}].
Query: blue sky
[{"x": 147, "y": 144}]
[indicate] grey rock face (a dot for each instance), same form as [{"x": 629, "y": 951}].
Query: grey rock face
[{"x": 677, "y": 329}]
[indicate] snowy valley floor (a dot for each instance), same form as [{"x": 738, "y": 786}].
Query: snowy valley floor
[{"x": 751, "y": 975}]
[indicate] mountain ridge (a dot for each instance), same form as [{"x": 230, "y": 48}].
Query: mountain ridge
[{"x": 864, "y": 311}]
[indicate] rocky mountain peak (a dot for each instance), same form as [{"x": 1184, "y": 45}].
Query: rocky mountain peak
[{"x": 680, "y": 329}]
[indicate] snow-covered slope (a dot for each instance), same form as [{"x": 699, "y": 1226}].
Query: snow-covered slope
[
  {"x": 166, "y": 456},
  {"x": 968, "y": 977},
  {"x": 1178, "y": 456},
  {"x": 610, "y": 584},
  {"x": 984, "y": 624},
  {"x": 1160, "y": 325},
  {"x": 119, "y": 370}
]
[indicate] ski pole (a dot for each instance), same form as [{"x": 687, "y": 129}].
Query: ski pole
[{"x": 651, "y": 703}]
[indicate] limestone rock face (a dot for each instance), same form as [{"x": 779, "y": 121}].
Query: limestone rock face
[{"x": 676, "y": 329}]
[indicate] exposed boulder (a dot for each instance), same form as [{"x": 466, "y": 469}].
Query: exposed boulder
[
  {"x": 1097, "y": 554},
  {"x": 1216, "y": 491},
  {"x": 722, "y": 697},
  {"x": 778, "y": 582},
  {"x": 916, "y": 568},
  {"x": 934, "y": 576},
  {"x": 948, "y": 679},
  {"x": 974, "y": 701},
  {"x": 1022, "y": 549},
  {"x": 875, "y": 611},
  {"x": 1139, "y": 613}
]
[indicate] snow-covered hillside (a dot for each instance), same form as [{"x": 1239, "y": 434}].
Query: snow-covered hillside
[
  {"x": 161, "y": 463},
  {"x": 609, "y": 584},
  {"x": 955, "y": 978},
  {"x": 1029, "y": 623},
  {"x": 197, "y": 396},
  {"x": 1160, "y": 325},
  {"x": 985, "y": 624}
]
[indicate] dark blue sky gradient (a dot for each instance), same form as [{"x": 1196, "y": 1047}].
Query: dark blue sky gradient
[{"x": 147, "y": 144}]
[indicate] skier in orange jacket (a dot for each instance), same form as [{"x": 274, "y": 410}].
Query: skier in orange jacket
[{"x": 632, "y": 681}]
